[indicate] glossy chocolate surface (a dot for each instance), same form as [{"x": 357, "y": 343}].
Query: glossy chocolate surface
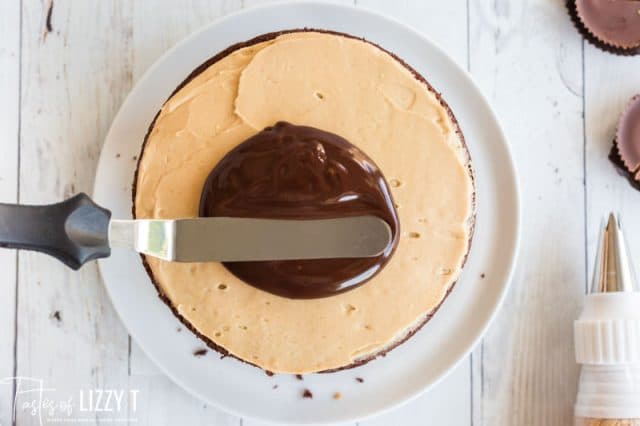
[{"x": 297, "y": 172}]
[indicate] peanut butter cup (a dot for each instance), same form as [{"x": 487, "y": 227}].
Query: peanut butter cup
[
  {"x": 625, "y": 153},
  {"x": 611, "y": 25}
]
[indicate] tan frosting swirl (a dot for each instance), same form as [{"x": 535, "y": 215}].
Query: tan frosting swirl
[{"x": 350, "y": 88}]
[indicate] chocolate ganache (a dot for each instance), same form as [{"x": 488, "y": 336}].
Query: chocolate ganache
[{"x": 297, "y": 172}]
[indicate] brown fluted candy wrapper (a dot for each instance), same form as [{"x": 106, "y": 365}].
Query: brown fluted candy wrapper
[
  {"x": 625, "y": 153},
  {"x": 611, "y": 25}
]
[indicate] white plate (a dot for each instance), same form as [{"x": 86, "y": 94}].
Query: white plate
[{"x": 409, "y": 369}]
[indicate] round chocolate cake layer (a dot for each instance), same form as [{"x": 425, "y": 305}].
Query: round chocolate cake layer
[{"x": 429, "y": 169}]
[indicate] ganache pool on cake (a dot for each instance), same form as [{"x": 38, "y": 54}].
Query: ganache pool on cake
[
  {"x": 300, "y": 172},
  {"x": 350, "y": 88}
]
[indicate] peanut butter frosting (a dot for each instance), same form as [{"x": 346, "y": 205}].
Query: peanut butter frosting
[{"x": 344, "y": 86}]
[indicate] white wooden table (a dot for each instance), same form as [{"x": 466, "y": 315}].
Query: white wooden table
[{"x": 65, "y": 67}]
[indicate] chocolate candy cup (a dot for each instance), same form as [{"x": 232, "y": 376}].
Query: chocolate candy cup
[
  {"x": 625, "y": 153},
  {"x": 611, "y": 25}
]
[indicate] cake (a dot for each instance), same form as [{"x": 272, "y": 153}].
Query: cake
[{"x": 343, "y": 86}]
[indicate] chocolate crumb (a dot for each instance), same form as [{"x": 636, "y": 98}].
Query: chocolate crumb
[
  {"x": 57, "y": 316},
  {"x": 299, "y": 376},
  {"x": 135, "y": 157},
  {"x": 307, "y": 394},
  {"x": 482, "y": 275},
  {"x": 337, "y": 395},
  {"x": 179, "y": 329},
  {"x": 275, "y": 387},
  {"x": 118, "y": 155},
  {"x": 359, "y": 380},
  {"x": 268, "y": 373},
  {"x": 48, "y": 20},
  {"x": 200, "y": 352}
]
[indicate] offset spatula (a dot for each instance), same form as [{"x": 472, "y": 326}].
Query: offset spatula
[{"x": 77, "y": 230}]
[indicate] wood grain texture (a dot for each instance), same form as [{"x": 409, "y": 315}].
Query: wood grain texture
[
  {"x": 9, "y": 140},
  {"x": 159, "y": 25},
  {"x": 610, "y": 82},
  {"x": 526, "y": 58},
  {"x": 75, "y": 72}
]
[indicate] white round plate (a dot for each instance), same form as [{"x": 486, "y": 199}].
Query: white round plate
[{"x": 406, "y": 371}]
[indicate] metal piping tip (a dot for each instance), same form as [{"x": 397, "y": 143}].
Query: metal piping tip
[{"x": 613, "y": 272}]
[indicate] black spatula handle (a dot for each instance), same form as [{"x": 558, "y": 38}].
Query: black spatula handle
[{"x": 74, "y": 231}]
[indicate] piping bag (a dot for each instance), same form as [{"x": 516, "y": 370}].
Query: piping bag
[{"x": 607, "y": 338}]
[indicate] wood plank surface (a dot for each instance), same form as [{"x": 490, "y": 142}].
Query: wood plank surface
[
  {"x": 75, "y": 73},
  {"x": 610, "y": 82},
  {"x": 9, "y": 142},
  {"x": 527, "y": 59}
]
